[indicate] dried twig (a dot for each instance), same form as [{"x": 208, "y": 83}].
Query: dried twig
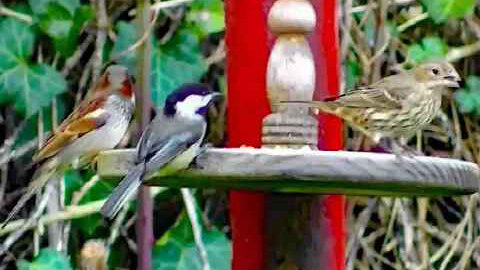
[
  {"x": 24, "y": 225},
  {"x": 17, "y": 15},
  {"x": 102, "y": 28},
  {"x": 360, "y": 227},
  {"x": 169, "y": 4},
  {"x": 73, "y": 60},
  {"x": 70, "y": 212},
  {"x": 196, "y": 226},
  {"x": 411, "y": 22}
]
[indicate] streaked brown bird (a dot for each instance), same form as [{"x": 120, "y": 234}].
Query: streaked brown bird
[{"x": 396, "y": 106}]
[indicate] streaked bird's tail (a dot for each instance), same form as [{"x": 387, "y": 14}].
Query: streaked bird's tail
[
  {"x": 317, "y": 105},
  {"x": 122, "y": 193},
  {"x": 40, "y": 179}
]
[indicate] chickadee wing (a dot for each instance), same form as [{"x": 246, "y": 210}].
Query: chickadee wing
[
  {"x": 144, "y": 144},
  {"x": 155, "y": 155},
  {"x": 163, "y": 152}
]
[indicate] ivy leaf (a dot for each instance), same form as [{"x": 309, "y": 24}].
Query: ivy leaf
[
  {"x": 176, "y": 250},
  {"x": 16, "y": 43},
  {"x": 207, "y": 15},
  {"x": 353, "y": 72},
  {"x": 441, "y": 10},
  {"x": 57, "y": 21},
  {"x": 28, "y": 87},
  {"x": 175, "y": 63},
  {"x": 47, "y": 259},
  {"x": 468, "y": 99},
  {"x": 63, "y": 22},
  {"x": 41, "y": 6},
  {"x": 178, "y": 61},
  {"x": 126, "y": 37},
  {"x": 429, "y": 48}
]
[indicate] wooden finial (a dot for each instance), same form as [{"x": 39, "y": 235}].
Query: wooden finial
[{"x": 290, "y": 76}]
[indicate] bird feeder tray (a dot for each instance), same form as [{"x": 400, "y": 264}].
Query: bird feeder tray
[{"x": 307, "y": 171}]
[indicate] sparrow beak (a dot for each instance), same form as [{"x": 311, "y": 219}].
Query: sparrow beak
[{"x": 453, "y": 78}]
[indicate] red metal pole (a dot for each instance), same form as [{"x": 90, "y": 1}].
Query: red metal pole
[
  {"x": 324, "y": 42},
  {"x": 248, "y": 45}
]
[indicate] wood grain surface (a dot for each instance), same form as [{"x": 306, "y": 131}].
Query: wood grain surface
[{"x": 307, "y": 171}]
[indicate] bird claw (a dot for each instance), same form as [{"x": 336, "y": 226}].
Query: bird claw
[
  {"x": 93, "y": 163},
  {"x": 401, "y": 151}
]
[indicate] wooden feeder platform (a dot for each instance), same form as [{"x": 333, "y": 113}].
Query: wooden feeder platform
[{"x": 307, "y": 171}]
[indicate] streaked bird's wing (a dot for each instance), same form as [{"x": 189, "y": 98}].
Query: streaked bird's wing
[{"x": 388, "y": 93}]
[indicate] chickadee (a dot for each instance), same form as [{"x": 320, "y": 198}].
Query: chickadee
[
  {"x": 98, "y": 123},
  {"x": 168, "y": 144}
]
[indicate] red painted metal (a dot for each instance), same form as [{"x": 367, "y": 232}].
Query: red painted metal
[
  {"x": 248, "y": 45},
  {"x": 324, "y": 42}
]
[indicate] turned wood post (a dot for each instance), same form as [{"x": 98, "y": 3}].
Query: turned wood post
[{"x": 290, "y": 76}]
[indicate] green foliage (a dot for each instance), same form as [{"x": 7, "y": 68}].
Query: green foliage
[
  {"x": 74, "y": 180},
  {"x": 177, "y": 62},
  {"x": 174, "y": 63},
  {"x": 468, "y": 99},
  {"x": 30, "y": 131},
  {"x": 176, "y": 250},
  {"x": 47, "y": 259},
  {"x": 41, "y": 6},
  {"x": 126, "y": 37},
  {"x": 441, "y": 10},
  {"x": 207, "y": 15},
  {"x": 28, "y": 86},
  {"x": 429, "y": 48},
  {"x": 62, "y": 20},
  {"x": 352, "y": 73}
]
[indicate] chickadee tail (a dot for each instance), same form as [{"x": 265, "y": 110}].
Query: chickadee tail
[
  {"x": 41, "y": 177},
  {"x": 122, "y": 193}
]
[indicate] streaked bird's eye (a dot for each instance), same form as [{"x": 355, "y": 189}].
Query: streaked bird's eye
[{"x": 435, "y": 71}]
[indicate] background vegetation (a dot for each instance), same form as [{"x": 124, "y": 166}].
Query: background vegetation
[
  {"x": 418, "y": 233},
  {"x": 52, "y": 50},
  {"x": 50, "y": 53}
]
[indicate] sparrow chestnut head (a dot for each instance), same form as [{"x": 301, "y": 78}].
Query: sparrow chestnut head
[
  {"x": 437, "y": 74},
  {"x": 190, "y": 100},
  {"x": 118, "y": 78}
]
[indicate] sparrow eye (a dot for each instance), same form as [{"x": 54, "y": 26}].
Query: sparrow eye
[{"x": 435, "y": 71}]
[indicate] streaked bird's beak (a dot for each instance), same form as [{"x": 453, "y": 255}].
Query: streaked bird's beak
[
  {"x": 453, "y": 79},
  {"x": 215, "y": 96}
]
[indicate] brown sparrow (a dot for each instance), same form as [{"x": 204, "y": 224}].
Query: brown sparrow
[{"x": 98, "y": 123}]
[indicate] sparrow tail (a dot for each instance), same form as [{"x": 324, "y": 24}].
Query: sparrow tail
[
  {"x": 41, "y": 177},
  {"x": 122, "y": 193}
]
